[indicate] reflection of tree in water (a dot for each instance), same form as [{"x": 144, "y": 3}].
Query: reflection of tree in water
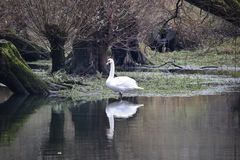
[
  {"x": 79, "y": 132},
  {"x": 15, "y": 112},
  {"x": 54, "y": 146},
  {"x": 90, "y": 124},
  {"x": 236, "y": 108},
  {"x": 233, "y": 101}
]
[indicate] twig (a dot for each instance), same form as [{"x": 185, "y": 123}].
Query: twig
[
  {"x": 206, "y": 67},
  {"x": 169, "y": 62},
  {"x": 175, "y": 15}
]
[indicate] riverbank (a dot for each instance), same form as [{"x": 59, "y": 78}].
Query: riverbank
[
  {"x": 211, "y": 71},
  {"x": 182, "y": 73},
  {"x": 154, "y": 84}
]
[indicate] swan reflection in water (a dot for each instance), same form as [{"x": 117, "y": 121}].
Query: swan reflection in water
[{"x": 119, "y": 109}]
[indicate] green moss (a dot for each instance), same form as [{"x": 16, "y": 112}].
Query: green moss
[{"x": 21, "y": 70}]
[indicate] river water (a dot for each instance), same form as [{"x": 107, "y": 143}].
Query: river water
[{"x": 203, "y": 127}]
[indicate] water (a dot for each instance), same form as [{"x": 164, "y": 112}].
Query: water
[{"x": 159, "y": 128}]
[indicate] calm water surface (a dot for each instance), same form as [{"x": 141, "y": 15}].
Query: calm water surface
[{"x": 158, "y": 128}]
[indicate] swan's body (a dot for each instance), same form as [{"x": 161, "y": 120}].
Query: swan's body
[
  {"x": 121, "y": 109},
  {"x": 120, "y": 84}
]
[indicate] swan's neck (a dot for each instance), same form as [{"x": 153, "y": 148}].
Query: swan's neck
[
  {"x": 112, "y": 70},
  {"x": 111, "y": 127},
  {"x": 111, "y": 122}
]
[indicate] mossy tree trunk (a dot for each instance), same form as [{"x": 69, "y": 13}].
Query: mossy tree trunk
[
  {"x": 226, "y": 9},
  {"x": 16, "y": 74},
  {"x": 57, "y": 39}
]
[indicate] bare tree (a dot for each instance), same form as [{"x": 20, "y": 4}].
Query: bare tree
[
  {"x": 119, "y": 17},
  {"x": 195, "y": 27},
  {"x": 9, "y": 17},
  {"x": 58, "y": 21},
  {"x": 226, "y": 9},
  {"x": 117, "y": 27}
]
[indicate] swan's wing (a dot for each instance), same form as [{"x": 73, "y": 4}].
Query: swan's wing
[{"x": 125, "y": 82}]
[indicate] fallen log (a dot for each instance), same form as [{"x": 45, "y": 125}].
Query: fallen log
[
  {"x": 27, "y": 49},
  {"x": 16, "y": 74}
]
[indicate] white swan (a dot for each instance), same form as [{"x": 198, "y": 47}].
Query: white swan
[
  {"x": 120, "y": 84},
  {"x": 121, "y": 109}
]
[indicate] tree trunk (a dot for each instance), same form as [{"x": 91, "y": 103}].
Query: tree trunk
[
  {"x": 28, "y": 50},
  {"x": 226, "y": 9},
  {"x": 16, "y": 74},
  {"x": 58, "y": 57},
  {"x": 128, "y": 54},
  {"x": 82, "y": 61},
  {"x": 57, "y": 39},
  {"x": 102, "y": 58},
  {"x": 89, "y": 57}
]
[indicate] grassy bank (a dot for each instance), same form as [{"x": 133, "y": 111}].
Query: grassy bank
[
  {"x": 226, "y": 54},
  {"x": 154, "y": 84},
  {"x": 157, "y": 83}
]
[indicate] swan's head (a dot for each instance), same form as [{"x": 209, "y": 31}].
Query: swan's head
[{"x": 110, "y": 61}]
